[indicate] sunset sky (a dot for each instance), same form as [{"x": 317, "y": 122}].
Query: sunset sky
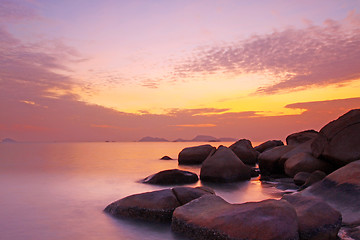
[{"x": 95, "y": 70}]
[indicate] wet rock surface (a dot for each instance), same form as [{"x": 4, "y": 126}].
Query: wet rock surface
[{"x": 172, "y": 176}]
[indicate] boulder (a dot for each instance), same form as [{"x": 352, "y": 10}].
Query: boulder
[
  {"x": 224, "y": 166},
  {"x": 299, "y": 148},
  {"x": 314, "y": 177},
  {"x": 339, "y": 140},
  {"x": 317, "y": 220},
  {"x": 341, "y": 190},
  {"x": 245, "y": 151},
  {"x": 166, "y": 158},
  {"x": 268, "y": 145},
  {"x": 172, "y": 176},
  {"x": 301, "y": 137},
  {"x": 300, "y": 178},
  {"x": 156, "y": 206},
  {"x": 270, "y": 161},
  {"x": 211, "y": 217},
  {"x": 305, "y": 162},
  {"x": 195, "y": 155}
]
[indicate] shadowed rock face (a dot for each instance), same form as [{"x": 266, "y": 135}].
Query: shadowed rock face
[
  {"x": 245, "y": 151},
  {"x": 270, "y": 161},
  {"x": 300, "y": 178},
  {"x": 304, "y": 162},
  {"x": 268, "y": 145},
  {"x": 317, "y": 219},
  {"x": 172, "y": 176},
  {"x": 195, "y": 155},
  {"x": 301, "y": 137},
  {"x": 224, "y": 166},
  {"x": 156, "y": 206},
  {"x": 211, "y": 217},
  {"x": 339, "y": 140},
  {"x": 341, "y": 190}
]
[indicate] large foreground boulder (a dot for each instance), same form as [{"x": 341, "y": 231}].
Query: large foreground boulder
[
  {"x": 172, "y": 176},
  {"x": 195, "y": 155},
  {"x": 341, "y": 190},
  {"x": 224, "y": 166},
  {"x": 317, "y": 219},
  {"x": 305, "y": 162},
  {"x": 245, "y": 151},
  {"x": 156, "y": 206},
  {"x": 268, "y": 145},
  {"x": 301, "y": 137},
  {"x": 211, "y": 217},
  {"x": 339, "y": 140}
]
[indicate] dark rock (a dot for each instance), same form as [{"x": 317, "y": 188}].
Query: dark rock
[
  {"x": 195, "y": 155},
  {"x": 299, "y": 148},
  {"x": 211, "y": 217},
  {"x": 245, "y": 151},
  {"x": 305, "y": 162},
  {"x": 339, "y": 140},
  {"x": 268, "y": 145},
  {"x": 270, "y": 161},
  {"x": 224, "y": 166},
  {"x": 301, "y": 137},
  {"x": 317, "y": 220},
  {"x": 166, "y": 158},
  {"x": 255, "y": 172},
  {"x": 156, "y": 206},
  {"x": 300, "y": 178},
  {"x": 314, "y": 177},
  {"x": 186, "y": 194},
  {"x": 341, "y": 190},
  {"x": 172, "y": 176}
]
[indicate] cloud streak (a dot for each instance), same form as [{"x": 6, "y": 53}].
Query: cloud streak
[{"x": 296, "y": 58}]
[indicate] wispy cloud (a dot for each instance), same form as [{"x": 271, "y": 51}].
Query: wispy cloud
[{"x": 296, "y": 58}]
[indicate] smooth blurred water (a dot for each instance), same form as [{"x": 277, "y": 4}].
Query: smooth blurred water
[{"x": 59, "y": 190}]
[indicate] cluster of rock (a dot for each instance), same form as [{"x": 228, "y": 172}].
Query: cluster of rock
[{"x": 325, "y": 165}]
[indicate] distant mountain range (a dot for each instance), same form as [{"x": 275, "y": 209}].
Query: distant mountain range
[
  {"x": 8, "y": 140},
  {"x": 199, "y": 138}
]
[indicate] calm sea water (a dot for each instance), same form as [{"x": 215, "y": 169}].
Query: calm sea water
[{"x": 59, "y": 190}]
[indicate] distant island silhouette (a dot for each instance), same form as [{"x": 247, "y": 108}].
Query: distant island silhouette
[{"x": 198, "y": 138}]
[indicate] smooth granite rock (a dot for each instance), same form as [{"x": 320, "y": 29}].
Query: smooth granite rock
[
  {"x": 211, "y": 217},
  {"x": 172, "y": 176},
  {"x": 268, "y": 145},
  {"x": 339, "y": 140},
  {"x": 224, "y": 166},
  {"x": 245, "y": 151},
  {"x": 195, "y": 155},
  {"x": 317, "y": 220}
]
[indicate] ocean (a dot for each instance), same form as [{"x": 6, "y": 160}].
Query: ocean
[{"x": 59, "y": 190}]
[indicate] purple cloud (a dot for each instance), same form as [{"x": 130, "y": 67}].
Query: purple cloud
[{"x": 298, "y": 58}]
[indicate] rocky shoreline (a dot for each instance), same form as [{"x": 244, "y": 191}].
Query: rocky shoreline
[{"x": 325, "y": 166}]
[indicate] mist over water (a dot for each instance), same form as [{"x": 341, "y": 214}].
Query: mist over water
[{"x": 59, "y": 190}]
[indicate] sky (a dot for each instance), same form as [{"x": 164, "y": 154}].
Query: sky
[{"x": 96, "y": 70}]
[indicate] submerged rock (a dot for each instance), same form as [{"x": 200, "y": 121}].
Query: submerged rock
[
  {"x": 245, "y": 151},
  {"x": 211, "y": 217},
  {"x": 317, "y": 220},
  {"x": 156, "y": 206},
  {"x": 268, "y": 145},
  {"x": 195, "y": 155},
  {"x": 339, "y": 140},
  {"x": 224, "y": 166},
  {"x": 172, "y": 176},
  {"x": 166, "y": 158}
]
